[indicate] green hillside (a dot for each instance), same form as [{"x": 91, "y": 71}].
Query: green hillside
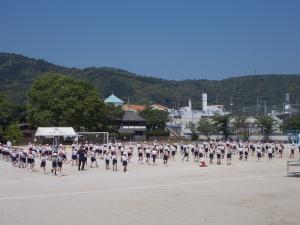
[{"x": 17, "y": 74}]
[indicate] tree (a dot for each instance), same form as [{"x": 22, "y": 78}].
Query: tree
[
  {"x": 221, "y": 123},
  {"x": 155, "y": 119},
  {"x": 112, "y": 115},
  {"x": 58, "y": 100},
  {"x": 13, "y": 133},
  {"x": 8, "y": 113},
  {"x": 205, "y": 126},
  {"x": 5, "y": 111},
  {"x": 194, "y": 134},
  {"x": 240, "y": 125},
  {"x": 291, "y": 123},
  {"x": 266, "y": 123}
]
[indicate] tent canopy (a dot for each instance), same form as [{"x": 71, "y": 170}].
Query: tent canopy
[{"x": 55, "y": 131}]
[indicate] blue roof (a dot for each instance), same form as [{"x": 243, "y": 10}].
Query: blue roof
[{"x": 113, "y": 99}]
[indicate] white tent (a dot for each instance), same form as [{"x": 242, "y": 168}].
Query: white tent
[{"x": 55, "y": 132}]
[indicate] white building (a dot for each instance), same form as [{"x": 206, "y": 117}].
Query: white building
[{"x": 181, "y": 120}]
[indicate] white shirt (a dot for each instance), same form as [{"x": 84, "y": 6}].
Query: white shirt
[
  {"x": 107, "y": 157},
  {"x": 124, "y": 158}
]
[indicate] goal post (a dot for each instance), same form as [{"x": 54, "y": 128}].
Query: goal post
[{"x": 92, "y": 137}]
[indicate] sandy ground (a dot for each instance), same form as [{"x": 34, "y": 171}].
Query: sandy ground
[{"x": 183, "y": 193}]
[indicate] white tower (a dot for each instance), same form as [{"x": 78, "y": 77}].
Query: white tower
[
  {"x": 190, "y": 104},
  {"x": 204, "y": 102},
  {"x": 287, "y": 102}
]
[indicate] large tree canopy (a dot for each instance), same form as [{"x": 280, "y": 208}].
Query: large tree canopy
[
  {"x": 10, "y": 115},
  {"x": 222, "y": 123},
  {"x": 267, "y": 124},
  {"x": 205, "y": 126},
  {"x": 13, "y": 133},
  {"x": 112, "y": 117},
  {"x": 156, "y": 119},
  {"x": 240, "y": 126},
  {"x": 291, "y": 122},
  {"x": 5, "y": 111},
  {"x": 58, "y": 100}
]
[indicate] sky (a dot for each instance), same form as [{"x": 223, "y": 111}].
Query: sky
[{"x": 172, "y": 39}]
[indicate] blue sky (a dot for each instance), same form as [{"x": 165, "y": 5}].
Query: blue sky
[{"x": 171, "y": 39}]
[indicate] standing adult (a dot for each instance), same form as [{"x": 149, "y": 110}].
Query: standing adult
[{"x": 81, "y": 158}]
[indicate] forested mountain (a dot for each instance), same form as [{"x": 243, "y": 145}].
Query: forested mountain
[{"x": 17, "y": 73}]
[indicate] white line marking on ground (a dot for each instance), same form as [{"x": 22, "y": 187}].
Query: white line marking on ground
[{"x": 134, "y": 188}]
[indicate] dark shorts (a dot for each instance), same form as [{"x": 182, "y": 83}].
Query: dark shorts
[
  {"x": 59, "y": 164},
  {"x": 54, "y": 164},
  {"x": 74, "y": 157},
  {"x": 124, "y": 163},
  {"x": 43, "y": 164},
  {"x": 93, "y": 159}
]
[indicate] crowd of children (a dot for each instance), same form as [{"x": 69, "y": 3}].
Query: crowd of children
[
  {"x": 27, "y": 158},
  {"x": 148, "y": 153}
]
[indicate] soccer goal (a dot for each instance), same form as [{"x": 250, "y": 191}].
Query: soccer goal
[{"x": 92, "y": 138}]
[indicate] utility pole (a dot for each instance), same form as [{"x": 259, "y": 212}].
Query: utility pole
[
  {"x": 257, "y": 106},
  {"x": 265, "y": 107},
  {"x": 231, "y": 103}
]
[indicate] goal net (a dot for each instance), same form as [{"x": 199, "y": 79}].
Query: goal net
[{"x": 92, "y": 138}]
